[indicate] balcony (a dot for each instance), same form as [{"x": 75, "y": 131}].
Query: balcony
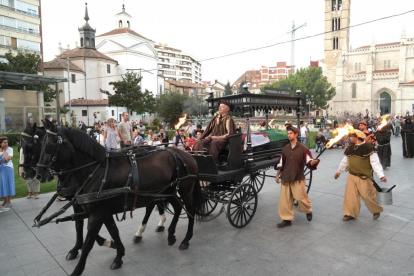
[
  {"x": 14, "y": 48},
  {"x": 19, "y": 11},
  {"x": 20, "y": 30}
]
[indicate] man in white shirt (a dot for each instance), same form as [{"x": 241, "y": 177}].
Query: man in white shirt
[
  {"x": 190, "y": 128},
  {"x": 360, "y": 158},
  {"x": 125, "y": 131},
  {"x": 303, "y": 133}
]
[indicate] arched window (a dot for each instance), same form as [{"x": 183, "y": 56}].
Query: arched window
[
  {"x": 93, "y": 43},
  {"x": 339, "y": 5},
  {"x": 120, "y": 23},
  {"x": 81, "y": 41},
  {"x": 87, "y": 42},
  {"x": 353, "y": 90},
  {"x": 333, "y": 5},
  {"x": 128, "y": 24},
  {"x": 333, "y": 24},
  {"x": 338, "y": 26}
]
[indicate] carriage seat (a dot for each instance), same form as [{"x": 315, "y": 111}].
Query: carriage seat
[{"x": 231, "y": 157}]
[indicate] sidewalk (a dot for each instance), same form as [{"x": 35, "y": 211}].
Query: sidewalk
[{"x": 325, "y": 246}]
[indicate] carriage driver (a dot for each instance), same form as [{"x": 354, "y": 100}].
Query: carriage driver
[
  {"x": 292, "y": 162},
  {"x": 214, "y": 136}
]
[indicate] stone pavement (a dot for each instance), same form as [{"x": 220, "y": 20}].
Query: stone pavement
[{"x": 325, "y": 246}]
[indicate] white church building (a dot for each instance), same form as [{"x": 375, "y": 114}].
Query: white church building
[{"x": 99, "y": 60}]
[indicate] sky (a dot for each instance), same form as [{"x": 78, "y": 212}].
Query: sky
[{"x": 212, "y": 28}]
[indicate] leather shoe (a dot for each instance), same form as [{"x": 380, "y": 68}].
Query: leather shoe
[
  {"x": 309, "y": 216},
  {"x": 376, "y": 215},
  {"x": 284, "y": 224},
  {"x": 346, "y": 218}
]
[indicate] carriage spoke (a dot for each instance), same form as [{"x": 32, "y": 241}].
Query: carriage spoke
[{"x": 242, "y": 204}]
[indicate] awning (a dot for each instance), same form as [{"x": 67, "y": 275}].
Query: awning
[{"x": 11, "y": 78}]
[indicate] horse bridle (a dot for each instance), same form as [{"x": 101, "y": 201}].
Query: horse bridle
[{"x": 33, "y": 152}]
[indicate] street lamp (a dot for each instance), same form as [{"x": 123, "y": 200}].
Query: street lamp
[
  {"x": 298, "y": 92},
  {"x": 309, "y": 101}
]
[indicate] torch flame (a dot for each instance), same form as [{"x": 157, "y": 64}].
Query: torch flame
[
  {"x": 181, "y": 121},
  {"x": 384, "y": 121},
  {"x": 340, "y": 133}
]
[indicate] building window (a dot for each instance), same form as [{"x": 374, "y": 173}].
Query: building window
[
  {"x": 128, "y": 24},
  {"x": 385, "y": 64},
  {"x": 333, "y": 24},
  {"x": 353, "y": 90},
  {"x": 81, "y": 41},
  {"x": 335, "y": 43},
  {"x": 84, "y": 112},
  {"x": 333, "y": 5},
  {"x": 356, "y": 67},
  {"x": 113, "y": 112},
  {"x": 339, "y": 5},
  {"x": 93, "y": 43},
  {"x": 73, "y": 78},
  {"x": 108, "y": 68},
  {"x": 120, "y": 23},
  {"x": 389, "y": 64},
  {"x": 87, "y": 42},
  {"x": 338, "y": 26}
]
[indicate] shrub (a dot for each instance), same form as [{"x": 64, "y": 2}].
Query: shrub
[
  {"x": 155, "y": 122},
  {"x": 12, "y": 138},
  {"x": 171, "y": 134}
]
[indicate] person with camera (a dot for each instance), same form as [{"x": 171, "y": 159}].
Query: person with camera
[
  {"x": 95, "y": 133},
  {"x": 163, "y": 137},
  {"x": 155, "y": 141}
]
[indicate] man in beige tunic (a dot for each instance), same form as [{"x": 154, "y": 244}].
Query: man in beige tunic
[
  {"x": 292, "y": 162},
  {"x": 360, "y": 159}
]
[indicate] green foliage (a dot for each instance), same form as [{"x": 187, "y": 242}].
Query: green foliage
[
  {"x": 195, "y": 106},
  {"x": 311, "y": 82},
  {"x": 240, "y": 90},
  {"x": 171, "y": 134},
  {"x": 64, "y": 110},
  {"x": 154, "y": 128},
  {"x": 227, "y": 89},
  {"x": 171, "y": 106},
  {"x": 27, "y": 63},
  {"x": 128, "y": 93},
  {"x": 12, "y": 138},
  {"x": 156, "y": 122}
]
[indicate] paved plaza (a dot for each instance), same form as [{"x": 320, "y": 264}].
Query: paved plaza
[{"x": 325, "y": 246}]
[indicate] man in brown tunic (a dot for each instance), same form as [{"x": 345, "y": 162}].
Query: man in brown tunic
[
  {"x": 214, "y": 136},
  {"x": 292, "y": 162}
]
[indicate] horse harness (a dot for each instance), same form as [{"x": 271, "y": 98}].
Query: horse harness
[
  {"x": 29, "y": 148},
  {"x": 131, "y": 186}
]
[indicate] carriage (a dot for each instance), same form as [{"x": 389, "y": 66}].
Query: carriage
[{"x": 234, "y": 183}]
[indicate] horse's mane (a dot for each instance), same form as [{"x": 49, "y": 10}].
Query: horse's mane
[{"x": 84, "y": 143}]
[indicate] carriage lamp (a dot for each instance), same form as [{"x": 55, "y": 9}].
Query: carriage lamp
[{"x": 298, "y": 92}]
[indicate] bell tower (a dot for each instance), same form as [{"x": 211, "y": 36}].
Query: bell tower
[
  {"x": 87, "y": 33},
  {"x": 123, "y": 19},
  {"x": 337, "y": 22}
]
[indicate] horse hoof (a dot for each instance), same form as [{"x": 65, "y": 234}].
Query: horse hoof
[
  {"x": 184, "y": 246},
  {"x": 72, "y": 255},
  {"x": 159, "y": 229},
  {"x": 113, "y": 245},
  {"x": 172, "y": 241},
  {"x": 116, "y": 265},
  {"x": 137, "y": 239}
]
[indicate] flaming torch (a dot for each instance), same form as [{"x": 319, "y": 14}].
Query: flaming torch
[
  {"x": 340, "y": 133},
  {"x": 181, "y": 121},
  {"x": 384, "y": 121}
]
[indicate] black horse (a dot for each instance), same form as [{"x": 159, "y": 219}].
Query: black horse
[
  {"x": 161, "y": 174},
  {"x": 29, "y": 147}
]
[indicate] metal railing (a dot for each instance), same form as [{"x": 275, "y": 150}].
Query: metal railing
[
  {"x": 18, "y": 11},
  {"x": 19, "y": 49},
  {"x": 21, "y": 30}
]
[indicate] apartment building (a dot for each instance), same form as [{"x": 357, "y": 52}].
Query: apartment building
[
  {"x": 175, "y": 65},
  {"x": 274, "y": 73},
  {"x": 20, "y": 27}
]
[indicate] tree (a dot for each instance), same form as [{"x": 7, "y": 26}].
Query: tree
[
  {"x": 311, "y": 82},
  {"x": 227, "y": 89},
  {"x": 28, "y": 63},
  {"x": 128, "y": 93},
  {"x": 195, "y": 106},
  {"x": 171, "y": 106},
  {"x": 240, "y": 90}
]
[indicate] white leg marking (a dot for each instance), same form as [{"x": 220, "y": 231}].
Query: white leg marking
[
  {"x": 163, "y": 218},
  {"x": 107, "y": 243},
  {"x": 141, "y": 230}
]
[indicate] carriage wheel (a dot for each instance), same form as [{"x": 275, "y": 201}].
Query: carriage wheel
[
  {"x": 308, "y": 178},
  {"x": 256, "y": 179},
  {"x": 242, "y": 205},
  {"x": 208, "y": 206}
]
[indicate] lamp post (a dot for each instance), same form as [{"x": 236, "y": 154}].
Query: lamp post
[
  {"x": 309, "y": 101},
  {"x": 298, "y": 92}
]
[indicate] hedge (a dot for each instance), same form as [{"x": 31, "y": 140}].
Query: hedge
[{"x": 12, "y": 138}]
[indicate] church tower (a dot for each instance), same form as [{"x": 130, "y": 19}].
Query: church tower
[
  {"x": 337, "y": 22},
  {"x": 123, "y": 20},
  {"x": 87, "y": 33}
]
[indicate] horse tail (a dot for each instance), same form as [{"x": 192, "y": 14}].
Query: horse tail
[{"x": 197, "y": 197}]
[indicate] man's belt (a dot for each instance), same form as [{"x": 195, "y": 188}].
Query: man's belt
[{"x": 363, "y": 177}]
